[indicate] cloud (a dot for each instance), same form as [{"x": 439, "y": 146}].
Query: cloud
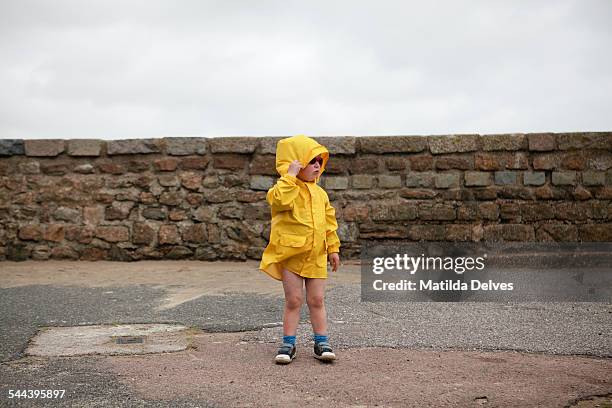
[{"x": 122, "y": 69}]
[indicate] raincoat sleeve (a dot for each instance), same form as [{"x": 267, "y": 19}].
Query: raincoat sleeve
[
  {"x": 282, "y": 195},
  {"x": 333, "y": 242}
]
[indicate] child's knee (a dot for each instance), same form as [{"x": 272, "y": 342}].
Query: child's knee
[
  {"x": 294, "y": 301},
  {"x": 315, "y": 300}
]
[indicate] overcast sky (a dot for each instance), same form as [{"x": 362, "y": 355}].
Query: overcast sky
[{"x": 132, "y": 69}]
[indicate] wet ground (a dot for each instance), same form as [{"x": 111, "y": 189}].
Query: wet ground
[{"x": 389, "y": 354}]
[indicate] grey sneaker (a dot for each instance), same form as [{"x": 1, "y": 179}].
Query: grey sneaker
[
  {"x": 286, "y": 353},
  {"x": 323, "y": 351}
]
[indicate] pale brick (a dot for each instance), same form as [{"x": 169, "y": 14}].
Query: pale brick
[
  {"x": 336, "y": 183},
  {"x": 184, "y": 146},
  {"x": 44, "y": 147},
  {"x": 453, "y": 143},
  {"x": 514, "y": 141},
  {"x": 389, "y": 181},
  {"x": 263, "y": 183},
  {"x": 84, "y": 147},
  {"x": 585, "y": 140},
  {"x": 362, "y": 181},
  {"x": 447, "y": 180},
  {"x": 338, "y": 145},
  {"x": 392, "y": 144},
  {"x": 29, "y": 167},
  {"x": 477, "y": 178},
  {"x": 509, "y": 232},
  {"x": 564, "y": 178},
  {"x": 233, "y": 144},
  {"x": 133, "y": 146},
  {"x": 436, "y": 212},
  {"x": 541, "y": 142},
  {"x": 393, "y": 212},
  {"x": 506, "y": 177},
  {"x": 420, "y": 179},
  {"x": 267, "y": 145},
  {"x": 534, "y": 178},
  {"x": 593, "y": 178}
]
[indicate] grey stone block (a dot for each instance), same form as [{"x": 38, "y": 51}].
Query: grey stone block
[
  {"x": 564, "y": 178},
  {"x": 506, "y": 177},
  {"x": 447, "y": 180},
  {"x": 585, "y": 140},
  {"x": 510, "y": 142},
  {"x": 593, "y": 178},
  {"x": 338, "y": 145},
  {"x": 267, "y": 145},
  {"x": 133, "y": 146},
  {"x": 11, "y": 147},
  {"x": 420, "y": 179},
  {"x": 233, "y": 144},
  {"x": 84, "y": 147},
  {"x": 389, "y": 181},
  {"x": 541, "y": 142},
  {"x": 336, "y": 183},
  {"x": 184, "y": 146},
  {"x": 392, "y": 144},
  {"x": 29, "y": 167},
  {"x": 453, "y": 143},
  {"x": 263, "y": 183},
  {"x": 362, "y": 181},
  {"x": 477, "y": 178},
  {"x": 44, "y": 147},
  {"x": 534, "y": 178}
]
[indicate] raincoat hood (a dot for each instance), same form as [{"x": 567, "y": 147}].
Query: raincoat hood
[{"x": 302, "y": 148}]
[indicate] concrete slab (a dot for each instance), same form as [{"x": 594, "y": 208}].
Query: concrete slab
[{"x": 109, "y": 340}]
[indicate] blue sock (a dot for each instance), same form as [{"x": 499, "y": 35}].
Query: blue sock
[
  {"x": 289, "y": 339},
  {"x": 318, "y": 338}
]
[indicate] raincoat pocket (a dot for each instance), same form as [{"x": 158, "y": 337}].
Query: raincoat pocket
[{"x": 296, "y": 241}]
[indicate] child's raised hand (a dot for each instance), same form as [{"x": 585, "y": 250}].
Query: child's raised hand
[
  {"x": 334, "y": 260},
  {"x": 294, "y": 168}
]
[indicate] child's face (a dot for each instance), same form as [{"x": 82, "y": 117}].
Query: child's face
[{"x": 312, "y": 170}]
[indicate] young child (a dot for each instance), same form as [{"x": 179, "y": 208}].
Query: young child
[{"x": 302, "y": 238}]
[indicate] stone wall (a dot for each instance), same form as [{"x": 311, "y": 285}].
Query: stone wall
[{"x": 204, "y": 199}]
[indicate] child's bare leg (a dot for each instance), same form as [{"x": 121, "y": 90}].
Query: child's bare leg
[
  {"x": 294, "y": 298},
  {"x": 315, "y": 298}
]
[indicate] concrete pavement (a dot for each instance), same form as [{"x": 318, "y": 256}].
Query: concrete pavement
[{"x": 389, "y": 354}]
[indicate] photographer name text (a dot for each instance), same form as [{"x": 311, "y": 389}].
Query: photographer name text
[{"x": 446, "y": 285}]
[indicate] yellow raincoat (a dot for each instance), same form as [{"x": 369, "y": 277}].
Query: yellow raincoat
[{"x": 303, "y": 221}]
